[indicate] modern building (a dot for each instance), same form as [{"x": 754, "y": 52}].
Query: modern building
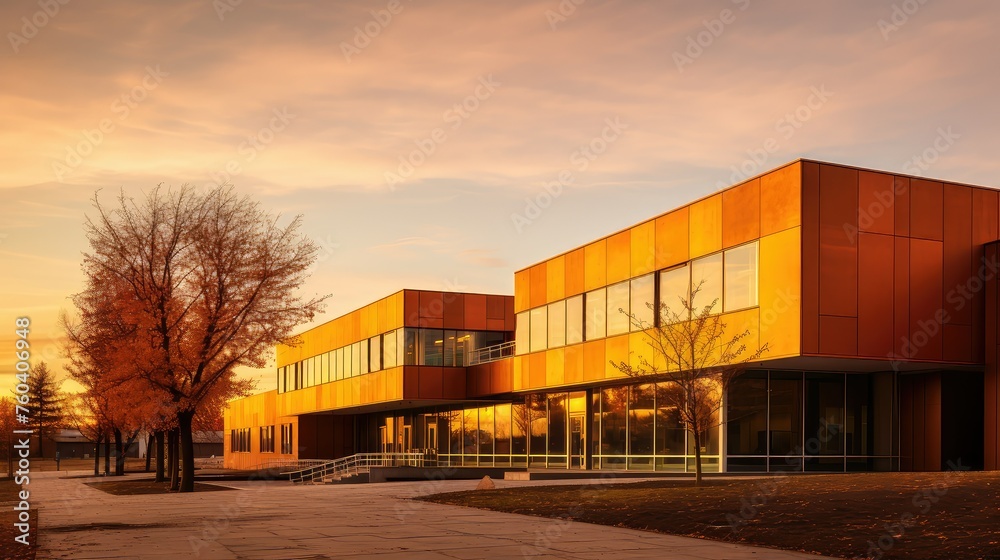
[{"x": 875, "y": 294}]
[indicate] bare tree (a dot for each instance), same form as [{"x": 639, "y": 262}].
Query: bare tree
[
  {"x": 207, "y": 283},
  {"x": 696, "y": 358}
]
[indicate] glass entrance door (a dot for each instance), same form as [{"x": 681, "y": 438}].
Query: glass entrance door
[{"x": 577, "y": 442}]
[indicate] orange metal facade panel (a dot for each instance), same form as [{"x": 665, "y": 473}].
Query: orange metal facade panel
[
  {"x": 522, "y": 290},
  {"x": 616, "y": 349},
  {"x": 431, "y": 384},
  {"x": 537, "y": 277},
  {"x": 705, "y": 226},
  {"x": 984, "y": 230},
  {"x": 510, "y": 318},
  {"x": 838, "y": 335},
  {"x": 902, "y": 205},
  {"x": 431, "y": 323},
  {"x": 495, "y": 307},
  {"x": 593, "y": 360},
  {"x": 957, "y": 252},
  {"x": 876, "y": 198},
  {"x": 431, "y": 305},
  {"x": 411, "y": 308},
  {"x": 838, "y": 254},
  {"x": 781, "y": 199},
  {"x": 926, "y": 209},
  {"x": 496, "y": 325},
  {"x": 536, "y": 370},
  {"x": 780, "y": 292},
  {"x": 454, "y": 311},
  {"x": 741, "y": 213},
  {"x": 901, "y": 296},
  {"x": 875, "y": 295},
  {"x": 453, "y": 380},
  {"x": 672, "y": 238},
  {"x": 575, "y": 277},
  {"x": 925, "y": 298},
  {"x": 643, "y": 238},
  {"x": 502, "y": 376},
  {"x": 555, "y": 282},
  {"x": 573, "y": 365},
  {"x": 475, "y": 312},
  {"x": 554, "y": 368},
  {"x": 596, "y": 265},
  {"x": 957, "y": 344},
  {"x": 810, "y": 258},
  {"x": 619, "y": 247}
]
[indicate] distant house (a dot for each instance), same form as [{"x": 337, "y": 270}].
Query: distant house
[{"x": 72, "y": 444}]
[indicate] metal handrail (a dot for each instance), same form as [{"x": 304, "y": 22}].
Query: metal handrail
[
  {"x": 491, "y": 353},
  {"x": 296, "y": 463},
  {"x": 356, "y": 464}
]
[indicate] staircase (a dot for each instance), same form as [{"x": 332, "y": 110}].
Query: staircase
[{"x": 339, "y": 470}]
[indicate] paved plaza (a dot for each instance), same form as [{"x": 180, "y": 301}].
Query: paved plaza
[{"x": 276, "y": 520}]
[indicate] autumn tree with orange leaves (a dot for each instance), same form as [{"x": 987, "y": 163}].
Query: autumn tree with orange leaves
[{"x": 182, "y": 288}]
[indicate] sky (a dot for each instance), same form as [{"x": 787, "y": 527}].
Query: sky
[{"x": 443, "y": 145}]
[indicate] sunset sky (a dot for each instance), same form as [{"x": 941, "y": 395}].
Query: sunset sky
[{"x": 411, "y": 134}]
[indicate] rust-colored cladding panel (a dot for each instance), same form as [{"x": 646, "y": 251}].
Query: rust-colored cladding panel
[
  {"x": 496, "y": 325},
  {"x": 431, "y": 305},
  {"x": 522, "y": 290},
  {"x": 926, "y": 209},
  {"x": 957, "y": 343},
  {"x": 619, "y": 257},
  {"x": 672, "y": 238},
  {"x": 454, "y": 311},
  {"x": 595, "y": 265},
  {"x": 432, "y": 382},
  {"x": 902, "y": 205},
  {"x": 875, "y": 295},
  {"x": 901, "y": 296},
  {"x": 925, "y": 299},
  {"x": 838, "y": 250},
  {"x": 575, "y": 273},
  {"x": 876, "y": 211},
  {"x": 431, "y": 323},
  {"x": 781, "y": 199},
  {"x": 495, "y": 307},
  {"x": 509, "y": 317},
  {"x": 705, "y": 226},
  {"x": 906, "y": 406},
  {"x": 536, "y": 370},
  {"x": 453, "y": 380},
  {"x": 984, "y": 230},
  {"x": 810, "y": 258},
  {"x": 741, "y": 214},
  {"x": 475, "y": 312},
  {"x": 538, "y": 278},
  {"x": 502, "y": 376},
  {"x": 838, "y": 335},
  {"x": 957, "y": 253},
  {"x": 411, "y": 383},
  {"x": 555, "y": 281},
  {"x": 411, "y": 308}
]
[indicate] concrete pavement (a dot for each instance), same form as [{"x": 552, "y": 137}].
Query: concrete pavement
[{"x": 276, "y": 520}]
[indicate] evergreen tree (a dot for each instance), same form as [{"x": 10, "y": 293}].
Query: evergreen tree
[{"x": 47, "y": 403}]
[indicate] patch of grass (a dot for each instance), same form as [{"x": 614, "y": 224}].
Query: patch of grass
[
  {"x": 145, "y": 486},
  {"x": 911, "y": 515}
]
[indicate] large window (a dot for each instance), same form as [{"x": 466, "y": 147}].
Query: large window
[
  {"x": 574, "y": 320},
  {"x": 389, "y": 350},
  {"x": 267, "y": 439},
  {"x": 675, "y": 289},
  {"x": 642, "y": 295},
  {"x": 286, "y": 439},
  {"x": 375, "y": 353},
  {"x": 595, "y": 323},
  {"x": 430, "y": 343},
  {"x": 539, "y": 328},
  {"x": 741, "y": 277},
  {"x": 557, "y": 324},
  {"x": 706, "y": 278},
  {"x": 618, "y": 309},
  {"x": 239, "y": 440}
]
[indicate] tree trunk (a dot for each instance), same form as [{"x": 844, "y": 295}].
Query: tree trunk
[
  {"x": 175, "y": 480},
  {"x": 107, "y": 454},
  {"x": 184, "y": 420},
  {"x": 149, "y": 452},
  {"x": 119, "y": 454},
  {"x": 97, "y": 456},
  {"x": 159, "y": 456},
  {"x": 697, "y": 458}
]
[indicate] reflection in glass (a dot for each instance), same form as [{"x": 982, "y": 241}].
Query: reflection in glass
[
  {"x": 824, "y": 414},
  {"x": 786, "y": 413},
  {"x": 741, "y": 277},
  {"x": 640, "y": 425},
  {"x": 449, "y": 349},
  {"x": 430, "y": 347},
  {"x": 675, "y": 288},
  {"x": 618, "y": 308},
  {"x": 389, "y": 350},
  {"x": 539, "y": 423},
  {"x": 472, "y": 433},
  {"x": 486, "y": 433},
  {"x": 614, "y": 402},
  {"x": 557, "y": 424},
  {"x": 642, "y": 299},
  {"x": 574, "y": 319},
  {"x": 501, "y": 435},
  {"x": 375, "y": 353},
  {"x": 539, "y": 328},
  {"x": 557, "y": 324},
  {"x": 747, "y": 414},
  {"x": 520, "y": 423},
  {"x": 670, "y": 431},
  {"x": 595, "y": 324},
  {"x": 706, "y": 277}
]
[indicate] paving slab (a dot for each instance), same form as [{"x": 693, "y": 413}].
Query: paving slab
[{"x": 277, "y": 520}]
